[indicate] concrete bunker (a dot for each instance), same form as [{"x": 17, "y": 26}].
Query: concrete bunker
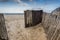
[
  {"x": 3, "y": 30},
  {"x": 33, "y": 17}
]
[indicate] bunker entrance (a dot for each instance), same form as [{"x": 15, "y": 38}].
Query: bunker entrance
[
  {"x": 33, "y": 17},
  {"x": 3, "y": 31}
]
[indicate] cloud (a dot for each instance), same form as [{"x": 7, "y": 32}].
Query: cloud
[
  {"x": 30, "y": 0},
  {"x": 26, "y": 0},
  {"x": 14, "y": 9},
  {"x": 11, "y": 10},
  {"x": 21, "y": 3}
]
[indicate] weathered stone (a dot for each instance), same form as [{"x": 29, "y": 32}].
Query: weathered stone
[
  {"x": 51, "y": 24},
  {"x": 33, "y": 17},
  {"x": 3, "y": 30}
]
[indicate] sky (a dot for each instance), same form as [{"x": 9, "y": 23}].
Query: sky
[{"x": 19, "y": 6}]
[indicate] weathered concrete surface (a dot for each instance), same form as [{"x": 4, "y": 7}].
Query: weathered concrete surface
[
  {"x": 3, "y": 30},
  {"x": 33, "y": 17},
  {"x": 17, "y": 31},
  {"x": 51, "y": 23}
]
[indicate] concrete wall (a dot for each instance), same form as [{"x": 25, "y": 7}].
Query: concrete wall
[
  {"x": 51, "y": 24},
  {"x": 37, "y": 16},
  {"x": 33, "y": 17},
  {"x": 3, "y": 30},
  {"x": 28, "y": 18}
]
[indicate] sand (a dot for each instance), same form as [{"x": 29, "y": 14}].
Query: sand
[{"x": 17, "y": 31}]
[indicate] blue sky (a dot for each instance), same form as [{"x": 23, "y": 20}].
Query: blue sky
[{"x": 18, "y": 6}]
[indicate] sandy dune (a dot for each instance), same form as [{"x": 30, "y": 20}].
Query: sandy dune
[{"x": 17, "y": 31}]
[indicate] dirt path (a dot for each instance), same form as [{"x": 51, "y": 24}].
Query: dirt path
[{"x": 17, "y": 31}]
